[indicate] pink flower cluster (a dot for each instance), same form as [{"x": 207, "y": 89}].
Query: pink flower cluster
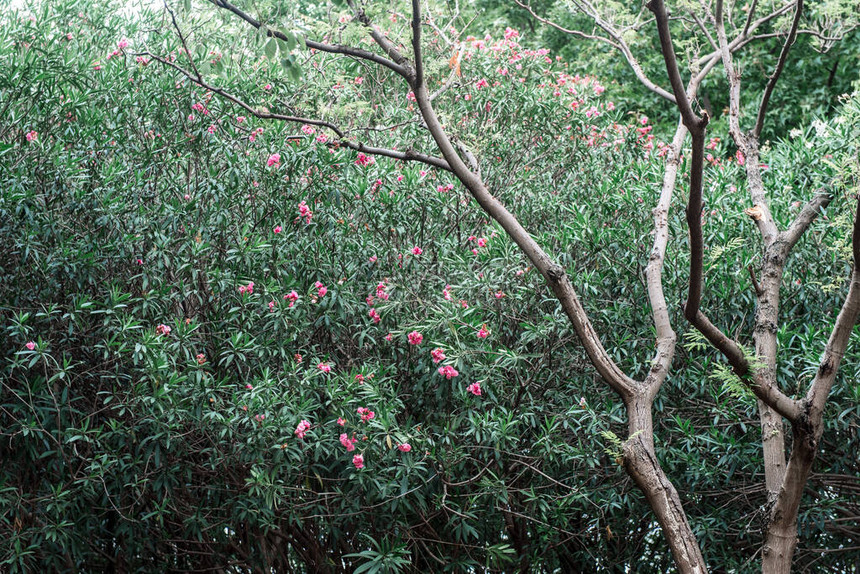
[
  {"x": 364, "y": 160},
  {"x": 32, "y": 135},
  {"x": 414, "y": 338},
  {"x": 274, "y": 160},
  {"x": 482, "y": 333},
  {"x": 438, "y": 355},
  {"x": 381, "y": 292},
  {"x": 305, "y": 211},
  {"x": 358, "y": 461},
  {"x": 373, "y": 314},
  {"x": 324, "y": 367},
  {"x": 417, "y": 250},
  {"x": 445, "y": 188},
  {"x": 405, "y": 447},
  {"x": 475, "y": 389},
  {"x": 255, "y": 134},
  {"x": 347, "y": 442},
  {"x": 249, "y": 288},
  {"x": 448, "y": 372},
  {"x": 292, "y": 297},
  {"x": 162, "y": 329},
  {"x": 32, "y": 344},
  {"x": 321, "y": 289},
  {"x": 308, "y": 130},
  {"x": 302, "y": 428},
  {"x": 366, "y": 414}
]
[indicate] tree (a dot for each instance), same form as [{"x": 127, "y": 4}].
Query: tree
[
  {"x": 242, "y": 343},
  {"x": 756, "y": 369}
]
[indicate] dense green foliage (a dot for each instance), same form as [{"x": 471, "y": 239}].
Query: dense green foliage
[{"x": 155, "y": 424}]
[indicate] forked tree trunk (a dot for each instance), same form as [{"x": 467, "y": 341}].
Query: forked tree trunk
[{"x": 642, "y": 465}]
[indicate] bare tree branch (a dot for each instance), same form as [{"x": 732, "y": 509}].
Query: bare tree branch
[
  {"x": 695, "y": 124},
  {"x": 406, "y": 155},
  {"x": 617, "y": 41},
  {"x": 838, "y": 341},
  {"x": 416, "y": 42},
  {"x": 783, "y": 56},
  {"x": 330, "y": 48},
  {"x": 806, "y": 216}
]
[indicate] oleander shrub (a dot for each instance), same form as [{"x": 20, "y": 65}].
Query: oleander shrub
[{"x": 230, "y": 344}]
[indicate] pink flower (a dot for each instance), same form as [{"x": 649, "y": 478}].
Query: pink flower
[
  {"x": 324, "y": 367},
  {"x": 272, "y": 306},
  {"x": 410, "y": 96},
  {"x": 475, "y": 389},
  {"x": 482, "y": 83},
  {"x": 162, "y": 329},
  {"x": 305, "y": 211},
  {"x": 405, "y": 447},
  {"x": 211, "y": 129},
  {"x": 240, "y": 119},
  {"x": 364, "y": 160},
  {"x": 358, "y": 461},
  {"x": 482, "y": 332},
  {"x": 267, "y": 87},
  {"x": 308, "y": 130},
  {"x": 417, "y": 250},
  {"x": 277, "y": 229},
  {"x": 349, "y": 443},
  {"x": 511, "y": 33},
  {"x": 274, "y": 160},
  {"x": 122, "y": 44},
  {"x": 30, "y": 345},
  {"x": 32, "y": 135},
  {"x": 321, "y": 289},
  {"x": 415, "y": 338},
  {"x": 582, "y": 402},
  {"x": 482, "y": 242},
  {"x": 438, "y": 355},
  {"x": 366, "y": 414},
  {"x": 372, "y": 259},
  {"x": 373, "y": 314},
  {"x": 388, "y": 337},
  {"x": 341, "y": 421},
  {"x": 499, "y": 294},
  {"x": 249, "y": 386},
  {"x": 292, "y": 297},
  {"x": 359, "y": 80},
  {"x": 360, "y": 378},
  {"x": 448, "y": 372},
  {"x": 201, "y": 358},
  {"x": 380, "y": 291},
  {"x": 302, "y": 428}
]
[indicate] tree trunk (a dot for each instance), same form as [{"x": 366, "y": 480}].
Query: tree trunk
[
  {"x": 781, "y": 538},
  {"x": 642, "y": 465}
]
